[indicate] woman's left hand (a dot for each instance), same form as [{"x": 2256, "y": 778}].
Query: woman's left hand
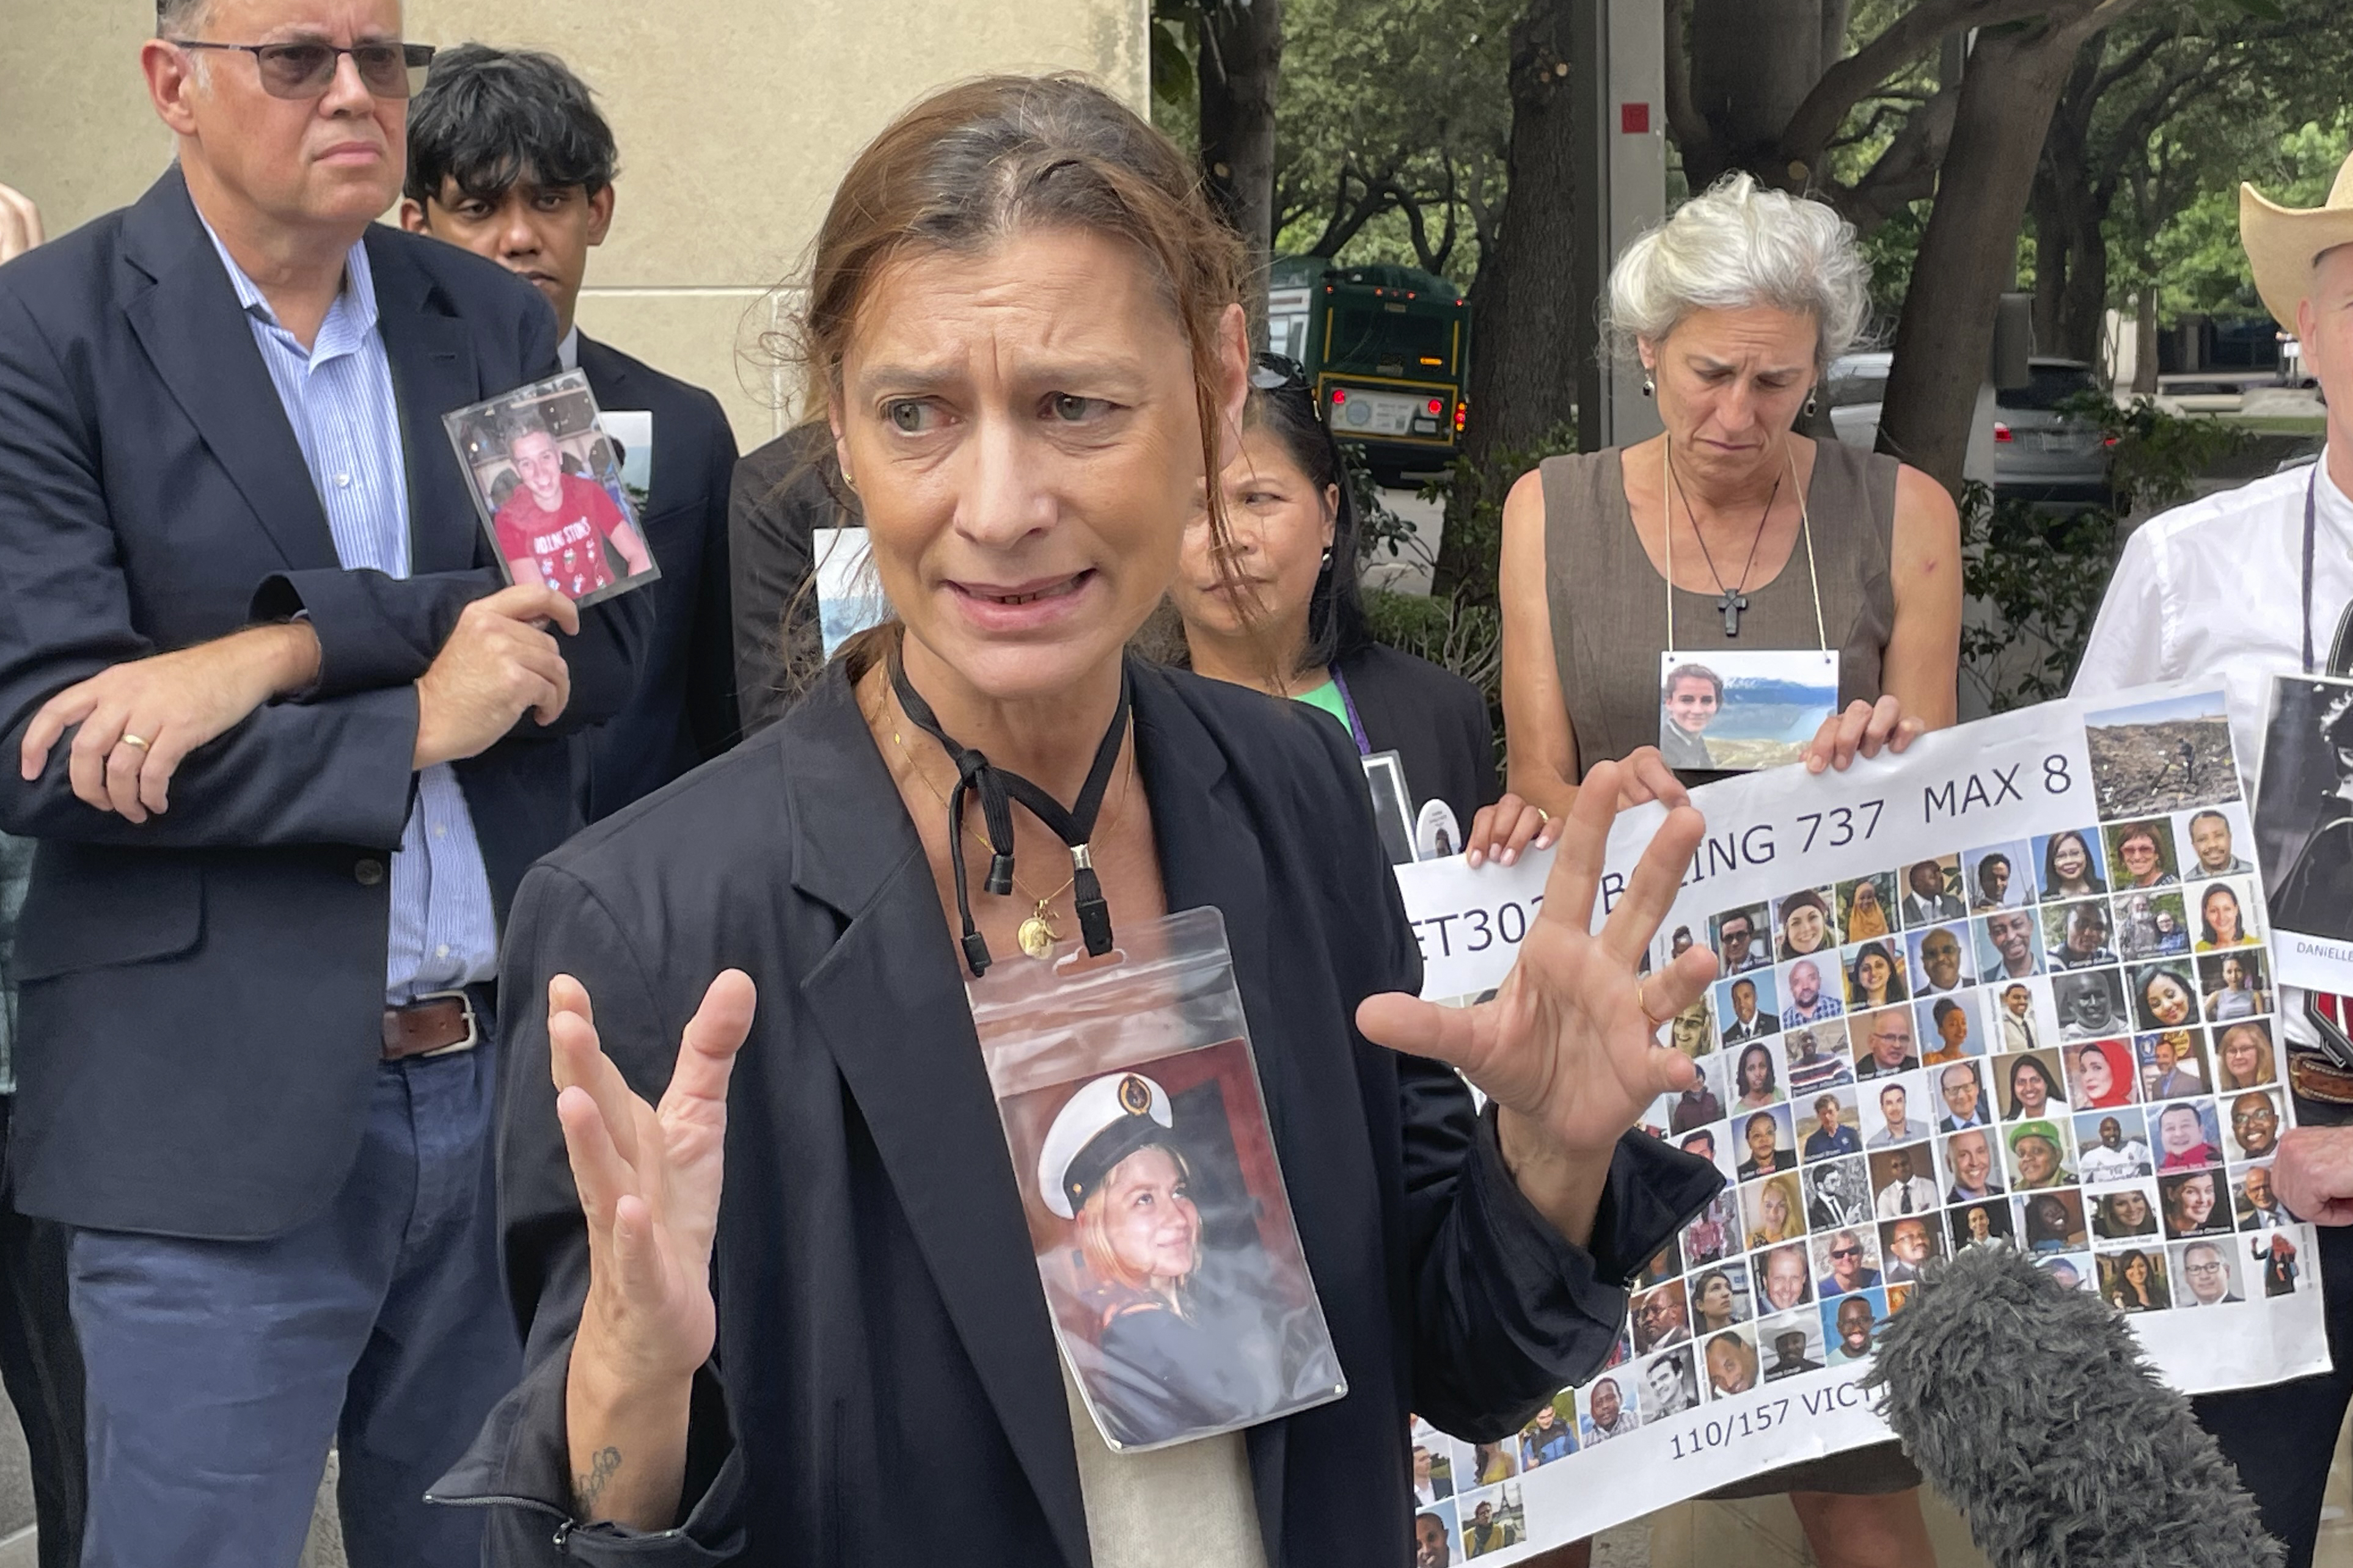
[
  {"x": 1568, "y": 1047},
  {"x": 1862, "y": 730}
]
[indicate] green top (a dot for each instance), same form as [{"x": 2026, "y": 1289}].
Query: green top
[{"x": 1327, "y": 696}]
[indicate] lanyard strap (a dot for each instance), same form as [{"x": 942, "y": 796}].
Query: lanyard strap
[
  {"x": 2311, "y": 495},
  {"x": 1806, "y": 526},
  {"x": 1356, "y": 719},
  {"x": 998, "y": 789}
]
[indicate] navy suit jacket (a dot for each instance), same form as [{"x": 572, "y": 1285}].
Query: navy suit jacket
[
  {"x": 684, "y": 710},
  {"x": 199, "y": 1021}
]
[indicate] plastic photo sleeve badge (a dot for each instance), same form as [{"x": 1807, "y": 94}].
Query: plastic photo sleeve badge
[
  {"x": 1163, "y": 1235},
  {"x": 548, "y": 479}
]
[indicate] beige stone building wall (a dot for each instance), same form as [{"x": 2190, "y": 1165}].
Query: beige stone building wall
[{"x": 735, "y": 119}]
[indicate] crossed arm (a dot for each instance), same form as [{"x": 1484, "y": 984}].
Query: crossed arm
[{"x": 355, "y": 678}]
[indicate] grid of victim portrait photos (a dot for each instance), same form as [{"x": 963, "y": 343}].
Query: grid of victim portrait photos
[{"x": 2065, "y": 1044}]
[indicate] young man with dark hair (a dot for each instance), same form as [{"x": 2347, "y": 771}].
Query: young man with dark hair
[{"x": 508, "y": 157}]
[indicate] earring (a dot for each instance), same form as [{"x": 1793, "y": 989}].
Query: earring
[
  {"x": 1327, "y": 558},
  {"x": 1650, "y": 387},
  {"x": 1813, "y": 401}
]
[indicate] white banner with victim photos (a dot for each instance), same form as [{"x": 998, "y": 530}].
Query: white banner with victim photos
[{"x": 2011, "y": 988}]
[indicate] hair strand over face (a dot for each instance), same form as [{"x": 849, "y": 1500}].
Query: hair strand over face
[{"x": 972, "y": 166}]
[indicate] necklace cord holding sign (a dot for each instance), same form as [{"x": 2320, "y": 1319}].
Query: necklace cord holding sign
[{"x": 999, "y": 789}]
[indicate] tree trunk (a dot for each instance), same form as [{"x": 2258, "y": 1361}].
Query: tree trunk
[
  {"x": 1945, "y": 336},
  {"x": 2145, "y": 343},
  {"x": 1528, "y": 334},
  {"x": 1241, "y": 67},
  {"x": 2070, "y": 252},
  {"x": 1752, "y": 63},
  {"x": 2083, "y": 305}
]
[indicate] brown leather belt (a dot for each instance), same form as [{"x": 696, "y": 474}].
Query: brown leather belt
[
  {"x": 2314, "y": 1077},
  {"x": 430, "y": 1026}
]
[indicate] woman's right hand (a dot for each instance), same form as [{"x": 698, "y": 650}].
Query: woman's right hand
[{"x": 648, "y": 1181}]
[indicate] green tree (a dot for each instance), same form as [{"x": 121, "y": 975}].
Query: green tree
[
  {"x": 1391, "y": 129},
  {"x": 2173, "y": 108}
]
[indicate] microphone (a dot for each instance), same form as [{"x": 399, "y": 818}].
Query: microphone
[{"x": 2031, "y": 1407}]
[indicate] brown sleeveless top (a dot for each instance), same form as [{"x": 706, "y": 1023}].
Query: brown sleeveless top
[{"x": 1610, "y": 607}]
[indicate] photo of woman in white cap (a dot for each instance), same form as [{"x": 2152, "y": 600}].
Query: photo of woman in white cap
[{"x": 1169, "y": 1358}]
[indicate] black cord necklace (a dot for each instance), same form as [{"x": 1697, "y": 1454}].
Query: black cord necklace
[
  {"x": 1733, "y": 600},
  {"x": 999, "y": 788}
]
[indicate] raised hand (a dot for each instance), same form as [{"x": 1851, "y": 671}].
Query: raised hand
[
  {"x": 1566, "y": 1047},
  {"x": 650, "y": 1182}
]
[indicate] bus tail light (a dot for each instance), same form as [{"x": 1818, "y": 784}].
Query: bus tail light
[
  {"x": 1461, "y": 413},
  {"x": 1438, "y": 406},
  {"x": 1339, "y": 395}
]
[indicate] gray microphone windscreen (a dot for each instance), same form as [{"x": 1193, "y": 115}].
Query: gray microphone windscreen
[{"x": 2030, "y": 1406}]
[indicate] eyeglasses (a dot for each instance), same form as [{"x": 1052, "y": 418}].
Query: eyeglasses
[
  {"x": 388, "y": 67},
  {"x": 1277, "y": 373}
]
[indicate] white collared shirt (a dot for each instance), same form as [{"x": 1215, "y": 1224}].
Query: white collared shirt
[{"x": 2216, "y": 589}]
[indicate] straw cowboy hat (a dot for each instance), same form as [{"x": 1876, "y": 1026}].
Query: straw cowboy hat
[{"x": 2284, "y": 243}]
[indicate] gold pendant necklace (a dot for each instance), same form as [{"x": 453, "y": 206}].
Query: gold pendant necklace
[{"x": 1036, "y": 935}]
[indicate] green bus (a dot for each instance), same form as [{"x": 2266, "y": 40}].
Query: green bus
[{"x": 1386, "y": 347}]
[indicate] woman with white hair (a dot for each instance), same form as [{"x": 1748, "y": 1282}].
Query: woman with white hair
[{"x": 1730, "y": 533}]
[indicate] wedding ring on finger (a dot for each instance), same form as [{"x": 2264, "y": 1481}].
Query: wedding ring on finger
[
  {"x": 135, "y": 742},
  {"x": 1641, "y": 1000}
]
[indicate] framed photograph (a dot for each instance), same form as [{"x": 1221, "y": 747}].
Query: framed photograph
[
  {"x": 2303, "y": 828},
  {"x": 547, "y": 482},
  {"x": 850, "y": 597},
  {"x": 1392, "y": 804}
]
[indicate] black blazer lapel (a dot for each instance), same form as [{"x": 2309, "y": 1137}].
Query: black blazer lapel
[
  {"x": 433, "y": 371},
  {"x": 889, "y": 1001},
  {"x": 202, "y": 347},
  {"x": 1209, "y": 854}
]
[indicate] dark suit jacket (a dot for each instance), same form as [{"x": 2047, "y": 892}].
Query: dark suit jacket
[
  {"x": 782, "y": 493},
  {"x": 684, "y": 710},
  {"x": 881, "y": 1317},
  {"x": 1434, "y": 719},
  {"x": 202, "y": 994}
]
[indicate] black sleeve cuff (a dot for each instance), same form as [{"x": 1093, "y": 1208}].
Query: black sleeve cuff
[
  {"x": 519, "y": 1467},
  {"x": 1654, "y": 1191}
]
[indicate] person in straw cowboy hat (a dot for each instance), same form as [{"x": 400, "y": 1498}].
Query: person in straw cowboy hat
[{"x": 2239, "y": 587}]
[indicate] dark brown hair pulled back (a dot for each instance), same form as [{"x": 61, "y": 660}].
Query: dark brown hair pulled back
[{"x": 975, "y": 164}]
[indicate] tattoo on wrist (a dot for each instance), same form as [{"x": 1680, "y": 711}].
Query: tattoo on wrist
[{"x": 587, "y": 1489}]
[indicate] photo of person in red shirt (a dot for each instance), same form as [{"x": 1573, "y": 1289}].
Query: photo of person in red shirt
[{"x": 554, "y": 527}]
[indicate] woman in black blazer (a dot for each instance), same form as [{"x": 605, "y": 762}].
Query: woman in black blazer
[
  {"x": 1298, "y": 628},
  {"x": 793, "y": 1316}
]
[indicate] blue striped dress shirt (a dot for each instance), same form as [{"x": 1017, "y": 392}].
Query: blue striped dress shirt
[{"x": 339, "y": 398}]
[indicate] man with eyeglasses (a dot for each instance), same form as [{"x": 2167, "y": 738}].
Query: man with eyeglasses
[
  {"x": 258, "y": 1040},
  {"x": 2209, "y": 1273},
  {"x": 508, "y": 157},
  {"x": 1886, "y": 1046}
]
